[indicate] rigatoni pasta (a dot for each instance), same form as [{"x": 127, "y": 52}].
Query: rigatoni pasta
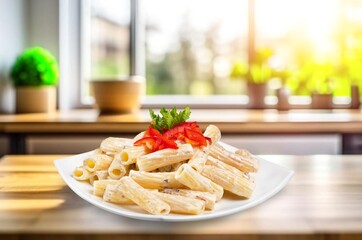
[
  {"x": 155, "y": 180},
  {"x": 143, "y": 198},
  {"x": 195, "y": 181},
  {"x": 186, "y": 180},
  {"x": 164, "y": 157}
]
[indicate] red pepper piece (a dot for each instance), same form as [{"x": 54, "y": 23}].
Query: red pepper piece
[{"x": 148, "y": 142}]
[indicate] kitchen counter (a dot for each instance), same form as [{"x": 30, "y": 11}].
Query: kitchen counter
[
  {"x": 229, "y": 121},
  {"x": 322, "y": 201}
]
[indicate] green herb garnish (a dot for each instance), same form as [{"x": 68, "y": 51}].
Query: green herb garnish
[{"x": 169, "y": 118}]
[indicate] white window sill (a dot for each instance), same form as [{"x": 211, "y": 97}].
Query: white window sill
[{"x": 221, "y": 101}]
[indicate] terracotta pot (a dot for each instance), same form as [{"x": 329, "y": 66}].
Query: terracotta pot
[
  {"x": 283, "y": 99},
  {"x": 355, "y": 97},
  {"x": 36, "y": 99},
  {"x": 118, "y": 95},
  {"x": 257, "y": 93},
  {"x": 322, "y": 101}
]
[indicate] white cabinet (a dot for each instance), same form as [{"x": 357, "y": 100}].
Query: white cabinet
[
  {"x": 55, "y": 144},
  {"x": 257, "y": 144},
  {"x": 287, "y": 144}
]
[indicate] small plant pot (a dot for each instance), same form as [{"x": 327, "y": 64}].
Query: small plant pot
[
  {"x": 257, "y": 93},
  {"x": 283, "y": 99},
  {"x": 322, "y": 101},
  {"x": 355, "y": 97},
  {"x": 36, "y": 99},
  {"x": 118, "y": 95}
]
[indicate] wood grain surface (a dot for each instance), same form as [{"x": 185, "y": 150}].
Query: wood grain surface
[
  {"x": 229, "y": 121},
  {"x": 322, "y": 201}
]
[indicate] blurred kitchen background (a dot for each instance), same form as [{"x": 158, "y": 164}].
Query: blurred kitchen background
[{"x": 193, "y": 52}]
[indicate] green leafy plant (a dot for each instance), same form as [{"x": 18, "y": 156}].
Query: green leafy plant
[
  {"x": 259, "y": 71},
  {"x": 169, "y": 118},
  {"x": 314, "y": 77},
  {"x": 35, "y": 67}
]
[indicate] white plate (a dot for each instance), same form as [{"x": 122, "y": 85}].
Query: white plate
[{"x": 270, "y": 179}]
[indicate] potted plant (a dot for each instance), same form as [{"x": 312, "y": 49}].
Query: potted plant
[
  {"x": 257, "y": 74},
  {"x": 318, "y": 80},
  {"x": 350, "y": 70},
  {"x": 35, "y": 76}
]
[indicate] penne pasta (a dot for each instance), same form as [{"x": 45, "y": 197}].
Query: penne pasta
[
  {"x": 195, "y": 181},
  {"x": 113, "y": 195},
  {"x": 161, "y": 180},
  {"x": 142, "y": 197},
  {"x": 208, "y": 198},
  {"x": 239, "y": 184},
  {"x": 217, "y": 163},
  {"x": 156, "y": 180},
  {"x": 97, "y": 162},
  {"x": 139, "y": 136},
  {"x": 99, "y": 186},
  {"x": 182, "y": 204},
  {"x": 130, "y": 155},
  {"x": 246, "y": 154},
  {"x": 167, "y": 168},
  {"x": 81, "y": 174},
  {"x": 199, "y": 159},
  {"x": 98, "y": 175},
  {"x": 164, "y": 157},
  {"x": 175, "y": 166},
  {"x": 242, "y": 163},
  {"x": 213, "y": 132},
  {"x": 117, "y": 170},
  {"x": 113, "y": 144}
]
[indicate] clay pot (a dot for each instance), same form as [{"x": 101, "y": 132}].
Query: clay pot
[
  {"x": 118, "y": 95},
  {"x": 257, "y": 93},
  {"x": 283, "y": 99},
  {"x": 36, "y": 99},
  {"x": 322, "y": 101}
]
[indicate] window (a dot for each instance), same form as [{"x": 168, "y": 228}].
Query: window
[
  {"x": 107, "y": 35},
  {"x": 191, "y": 46}
]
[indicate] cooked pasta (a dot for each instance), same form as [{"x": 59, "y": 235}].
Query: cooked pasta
[
  {"x": 130, "y": 155},
  {"x": 97, "y": 162},
  {"x": 213, "y": 132},
  {"x": 208, "y": 198},
  {"x": 114, "y": 145},
  {"x": 155, "y": 180},
  {"x": 117, "y": 170},
  {"x": 98, "y": 175},
  {"x": 99, "y": 186},
  {"x": 189, "y": 179},
  {"x": 142, "y": 197},
  {"x": 81, "y": 174},
  {"x": 164, "y": 157},
  {"x": 182, "y": 204},
  {"x": 244, "y": 164},
  {"x": 199, "y": 159},
  {"x": 239, "y": 184},
  {"x": 195, "y": 181},
  {"x": 113, "y": 195}
]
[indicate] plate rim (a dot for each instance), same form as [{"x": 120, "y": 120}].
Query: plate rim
[{"x": 173, "y": 218}]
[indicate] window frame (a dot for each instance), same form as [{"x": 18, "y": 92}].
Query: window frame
[{"x": 74, "y": 62}]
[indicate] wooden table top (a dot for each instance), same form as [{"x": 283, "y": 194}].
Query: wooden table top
[
  {"x": 228, "y": 120},
  {"x": 323, "y": 199}
]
